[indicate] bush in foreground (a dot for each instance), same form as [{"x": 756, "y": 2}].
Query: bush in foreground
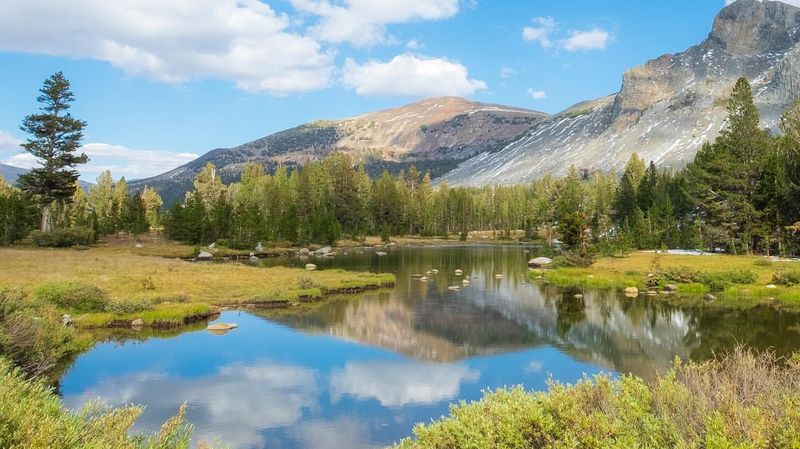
[
  {"x": 73, "y": 295},
  {"x": 741, "y": 401},
  {"x": 33, "y": 417}
]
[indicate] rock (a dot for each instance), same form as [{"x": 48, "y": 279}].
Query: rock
[
  {"x": 67, "y": 320},
  {"x": 772, "y": 286},
  {"x": 651, "y": 293},
  {"x": 310, "y": 267},
  {"x": 429, "y": 272},
  {"x": 392, "y": 244},
  {"x": 578, "y": 296},
  {"x": 253, "y": 259},
  {"x": 670, "y": 288},
  {"x": 423, "y": 279},
  {"x": 331, "y": 254},
  {"x": 212, "y": 246},
  {"x": 138, "y": 245},
  {"x": 458, "y": 272},
  {"x": 380, "y": 253},
  {"x": 540, "y": 262},
  {"x": 465, "y": 282},
  {"x": 416, "y": 276},
  {"x": 323, "y": 251},
  {"x": 709, "y": 297},
  {"x": 138, "y": 322},
  {"x": 498, "y": 276},
  {"x": 435, "y": 271},
  {"x": 222, "y": 326},
  {"x": 304, "y": 252},
  {"x": 631, "y": 292},
  {"x": 454, "y": 288},
  {"x": 205, "y": 255},
  {"x": 259, "y": 248}
]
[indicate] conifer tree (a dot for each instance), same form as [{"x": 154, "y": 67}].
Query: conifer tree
[{"x": 55, "y": 137}]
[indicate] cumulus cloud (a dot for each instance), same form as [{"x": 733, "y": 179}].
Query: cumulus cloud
[
  {"x": 545, "y": 28},
  {"x": 540, "y": 33},
  {"x": 594, "y": 39},
  {"x": 507, "y": 72},
  {"x": 537, "y": 94},
  {"x": 243, "y": 41},
  {"x": 122, "y": 161},
  {"x": 402, "y": 383},
  {"x": 410, "y": 75},
  {"x": 363, "y": 22},
  {"x": 234, "y": 401}
]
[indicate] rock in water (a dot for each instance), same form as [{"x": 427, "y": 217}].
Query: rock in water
[
  {"x": 631, "y": 292},
  {"x": 540, "y": 262},
  {"x": 222, "y": 326},
  {"x": 454, "y": 288},
  {"x": 380, "y": 253},
  {"x": 304, "y": 252},
  {"x": 138, "y": 322},
  {"x": 709, "y": 297},
  {"x": 670, "y": 288},
  {"x": 205, "y": 255},
  {"x": 458, "y": 272},
  {"x": 310, "y": 267},
  {"x": 323, "y": 251}
]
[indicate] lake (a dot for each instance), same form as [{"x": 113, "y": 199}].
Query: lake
[{"x": 359, "y": 371}]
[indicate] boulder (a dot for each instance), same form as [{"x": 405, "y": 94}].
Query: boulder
[
  {"x": 772, "y": 286},
  {"x": 540, "y": 262},
  {"x": 67, "y": 320},
  {"x": 304, "y": 252},
  {"x": 458, "y": 272},
  {"x": 222, "y": 326},
  {"x": 323, "y": 251},
  {"x": 709, "y": 297},
  {"x": 205, "y": 255},
  {"x": 651, "y": 293},
  {"x": 310, "y": 267},
  {"x": 212, "y": 246},
  {"x": 454, "y": 288},
  {"x": 138, "y": 245},
  {"x": 138, "y": 322},
  {"x": 380, "y": 253},
  {"x": 498, "y": 276},
  {"x": 670, "y": 288},
  {"x": 253, "y": 259},
  {"x": 578, "y": 296},
  {"x": 435, "y": 271},
  {"x": 465, "y": 281}
]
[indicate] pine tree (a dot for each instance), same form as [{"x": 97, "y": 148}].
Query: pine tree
[{"x": 55, "y": 138}]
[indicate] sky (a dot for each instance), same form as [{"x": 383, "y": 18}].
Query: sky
[{"x": 160, "y": 83}]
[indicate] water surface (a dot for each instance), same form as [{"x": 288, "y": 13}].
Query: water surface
[{"x": 360, "y": 371}]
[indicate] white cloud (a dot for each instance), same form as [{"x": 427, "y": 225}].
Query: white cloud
[
  {"x": 414, "y": 44},
  {"x": 537, "y": 94},
  {"x": 243, "y": 41},
  {"x": 545, "y": 26},
  {"x": 122, "y": 161},
  {"x": 594, "y": 39},
  {"x": 507, "y": 72},
  {"x": 401, "y": 383},
  {"x": 363, "y": 22},
  {"x": 237, "y": 400},
  {"x": 410, "y": 75}
]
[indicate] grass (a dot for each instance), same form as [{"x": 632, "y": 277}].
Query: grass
[
  {"x": 741, "y": 400},
  {"x": 173, "y": 290},
  {"x": 632, "y": 270}
]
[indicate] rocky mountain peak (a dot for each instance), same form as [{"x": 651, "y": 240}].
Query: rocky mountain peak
[{"x": 747, "y": 27}]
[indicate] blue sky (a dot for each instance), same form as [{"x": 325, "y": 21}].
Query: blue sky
[{"x": 162, "y": 82}]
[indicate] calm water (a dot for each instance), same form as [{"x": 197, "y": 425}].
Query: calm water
[{"x": 359, "y": 371}]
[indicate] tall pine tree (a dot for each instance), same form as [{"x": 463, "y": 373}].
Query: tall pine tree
[{"x": 55, "y": 137}]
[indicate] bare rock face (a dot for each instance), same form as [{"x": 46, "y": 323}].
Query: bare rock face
[{"x": 667, "y": 108}]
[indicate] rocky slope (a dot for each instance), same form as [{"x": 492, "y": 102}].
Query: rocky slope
[
  {"x": 435, "y": 134},
  {"x": 667, "y": 107}
]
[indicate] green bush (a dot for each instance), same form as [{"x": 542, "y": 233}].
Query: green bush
[
  {"x": 717, "y": 281},
  {"x": 129, "y": 306},
  {"x": 741, "y": 400},
  {"x": 763, "y": 263},
  {"x": 786, "y": 277},
  {"x": 63, "y": 238},
  {"x": 73, "y": 295},
  {"x": 33, "y": 417}
]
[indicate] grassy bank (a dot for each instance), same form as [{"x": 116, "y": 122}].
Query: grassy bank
[
  {"x": 707, "y": 273},
  {"x": 738, "y": 401},
  {"x": 161, "y": 291}
]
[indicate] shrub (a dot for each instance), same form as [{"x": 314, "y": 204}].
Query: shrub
[
  {"x": 741, "y": 276},
  {"x": 740, "y": 400},
  {"x": 129, "y": 306},
  {"x": 717, "y": 282},
  {"x": 786, "y": 277},
  {"x": 73, "y": 295},
  {"x": 33, "y": 417},
  {"x": 62, "y": 238},
  {"x": 35, "y": 343},
  {"x": 570, "y": 259},
  {"x": 763, "y": 263}
]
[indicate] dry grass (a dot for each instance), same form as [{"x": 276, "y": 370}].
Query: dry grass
[{"x": 632, "y": 270}]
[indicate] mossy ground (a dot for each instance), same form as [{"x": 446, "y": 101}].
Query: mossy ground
[{"x": 632, "y": 270}]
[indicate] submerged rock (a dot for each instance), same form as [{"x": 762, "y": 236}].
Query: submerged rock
[{"x": 222, "y": 326}]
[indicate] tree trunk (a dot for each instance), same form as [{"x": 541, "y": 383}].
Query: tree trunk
[{"x": 46, "y": 224}]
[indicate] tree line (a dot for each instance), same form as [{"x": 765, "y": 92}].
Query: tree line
[{"x": 740, "y": 194}]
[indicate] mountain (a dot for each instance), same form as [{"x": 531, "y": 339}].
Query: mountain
[
  {"x": 666, "y": 108},
  {"x": 11, "y": 173},
  {"x": 435, "y": 134}
]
